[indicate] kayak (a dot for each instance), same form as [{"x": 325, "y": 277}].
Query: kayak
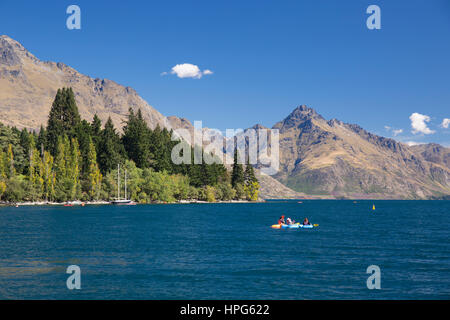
[{"x": 292, "y": 226}]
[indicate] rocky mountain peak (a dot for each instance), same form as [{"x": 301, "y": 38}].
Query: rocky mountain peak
[
  {"x": 299, "y": 117},
  {"x": 12, "y": 52},
  {"x": 302, "y": 112}
]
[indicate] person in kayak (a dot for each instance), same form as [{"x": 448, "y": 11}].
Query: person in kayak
[
  {"x": 289, "y": 221},
  {"x": 306, "y": 222},
  {"x": 281, "y": 220}
]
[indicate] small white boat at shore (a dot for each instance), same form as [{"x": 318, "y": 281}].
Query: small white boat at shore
[{"x": 119, "y": 201}]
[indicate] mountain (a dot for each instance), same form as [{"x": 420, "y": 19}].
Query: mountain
[
  {"x": 28, "y": 87},
  {"x": 334, "y": 158}
]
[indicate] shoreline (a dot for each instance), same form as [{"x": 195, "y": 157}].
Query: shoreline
[{"x": 102, "y": 202}]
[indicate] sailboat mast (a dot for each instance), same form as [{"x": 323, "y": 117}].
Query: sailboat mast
[
  {"x": 118, "y": 182},
  {"x": 126, "y": 184}
]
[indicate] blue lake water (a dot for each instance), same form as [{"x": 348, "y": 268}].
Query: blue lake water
[{"x": 227, "y": 251}]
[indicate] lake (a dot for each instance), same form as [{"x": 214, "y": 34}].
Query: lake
[{"x": 227, "y": 251}]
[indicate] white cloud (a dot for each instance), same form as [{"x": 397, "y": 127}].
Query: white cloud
[
  {"x": 419, "y": 123},
  {"x": 395, "y": 132},
  {"x": 413, "y": 143},
  {"x": 188, "y": 70},
  {"x": 445, "y": 123}
]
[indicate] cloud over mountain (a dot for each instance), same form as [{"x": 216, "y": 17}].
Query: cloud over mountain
[
  {"x": 419, "y": 123},
  {"x": 188, "y": 70}
]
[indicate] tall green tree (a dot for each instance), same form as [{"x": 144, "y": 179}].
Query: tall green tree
[
  {"x": 94, "y": 177},
  {"x": 237, "y": 174},
  {"x": 84, "y": 137},
  {"x": 48, "y": 176},
  {"x": 74, "y": 166},
  {"x": 111, "y": 150},
  {"x": 251, "y": 187},
  {"x": 35, "y": 173},
  {"x": 42, "y": 138},
  {"x": 64, "y": 118},
  {"x": 249, "y": 174},
  {"x": 136, "y": 139},
  {"x": 96, "y": 131},
  {"x": 160, "y": 147}
]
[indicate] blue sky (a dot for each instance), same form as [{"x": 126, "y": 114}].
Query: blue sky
[{"x": 267, "y": 57}]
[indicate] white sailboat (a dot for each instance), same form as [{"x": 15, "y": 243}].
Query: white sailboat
[{"x": 119, "y": 201}]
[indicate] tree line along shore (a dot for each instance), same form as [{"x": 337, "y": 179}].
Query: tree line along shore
[{"x": 73, "y": 160}]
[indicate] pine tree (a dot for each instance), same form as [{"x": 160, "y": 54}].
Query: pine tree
[
  {"x": 63, "y": 118},
  {"x": 71, "y": 116},
  {"x": 55, "y": 127},
  {"x": 249, "y": 174},
  {"x": 111, "y": 150},
  {"x": 84, "y": 136},
  {"x": 159, "y": 147},
  {"x": 237, "y": 174},
  {"x": 41, "y": 140},
  {"x": 136, "y": 139},
  {"x": 251, "y": 187},
  {"x": 96, "y": 131}
]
